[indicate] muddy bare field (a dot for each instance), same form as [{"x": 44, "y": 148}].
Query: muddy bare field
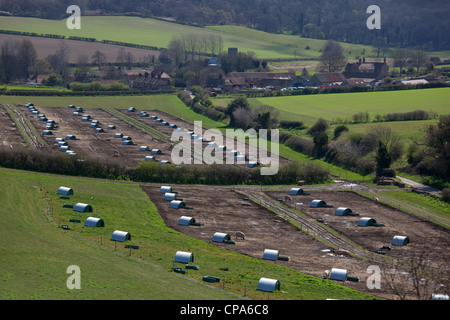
[
  {"x": 9, "y": 133},
  {"x": 103, "y": 144},
  {"x": 180, "y": 123},
  {"x": 224, "y": 210}
]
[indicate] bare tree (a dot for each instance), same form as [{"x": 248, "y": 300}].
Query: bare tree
[
  {"x": 417, "y": 277},
  {"x": 8, "y": 61},
  {"x": 26, "y": 56},
  {"x": 99, "y": 58},
  {"x": 332, "y": 58},
  {"x": 400, "y": 57},
  {"x": 419, "y": 58}
]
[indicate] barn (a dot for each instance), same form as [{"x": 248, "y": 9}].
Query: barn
[
  {"x": 270, "y": 254},
  {"x": 176, "y": 204},
  {"x": 83, "y": 207},
  {"x": 184, "y": 257},
  {"x": 186, "y": 221},
  {"x": 165, "y": 189},
  {"x": 296, "y": 191},
  {"x": 367, "y": 222},
  {"x": 120, "y": 236},
  {"x": 169, "y": 196},
  {"x": 319, "y": 204},
  {"x": 252, "y": 164},
  {"x": 400, "y": 241},
  {"x": 341, "y": 211},
  {"x": 65, "y": 191},
  {"x": 338, "y": 274},
  {"x": 94, "y": 222},
  {"x": 221, "y": 237},
  {"x": 155, "y": 151},
  {"x": 268, "y": 285}
]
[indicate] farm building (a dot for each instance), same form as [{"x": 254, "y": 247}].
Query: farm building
[
  {"x": 131, "y": 109},
  {"x": 71, "y": 106},
  {"x": 270, "y": 254},
  {"x": 338, "y": 274},
  {"x": 62, "y": 143},
  {"x": 252, "y": 164},
  {"x": 367, "y": 222},
  {"x": 70, "y": 137},
  {"x": 165, "y": 189},
  {"x": 164, "y": 123},
  {"x": 221, "y": 237},
  {"x": 341, "y": 211},
  {"x": 76, "y": 113},
  {"x": 319, "y": 204},
  {"x": 127, "y": 143},
  {"x": 234, "y": 153},
  {"x": 296, "y": 191},
  {"x": 172, "y": 125},
  {"x": 99, "y": 130},
  {"x": 120, "y": 236},
  {"x": 268, "y": 285},
  {"x": 186, "y": 221},
  {"x": 65, "y": 191},
  {"x": 400, "y": 241},
  {"x": 83, "y": 207},
  {"x": 184, "y": 257},
  {"x": 176, "y": 204},
  {"x": 150, "y": 158},
  {"x": 47, "y": 133},
  {"x": 241, "y": 157},
  {"x": 64, "y": 148},
  {"x": 169, "y": 196},
  {"x": 126, "y": 138},
  {"x": 111, "y": 127},
  {"x": 143, "y": 148},
  {"x": 94, "y": 222},
  {"x": 118, "y": 135},
  {"x": 221, "y": 148},
  {"x": 155, "y": 151},
  {"x": 164, "y": 162}
]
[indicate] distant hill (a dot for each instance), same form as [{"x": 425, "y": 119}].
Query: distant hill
[{"x": 404, "y": 23}]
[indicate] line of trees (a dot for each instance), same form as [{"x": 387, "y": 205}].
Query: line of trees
[{"x": 59, "y": 163}]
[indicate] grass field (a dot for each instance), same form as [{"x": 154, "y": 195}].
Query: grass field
[
  {"x": 37, "y": 252},
  {"x": 159, "y": 33},
  {"x": 309, "y": 108}
]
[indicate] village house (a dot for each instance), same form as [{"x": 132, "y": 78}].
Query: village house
[
  {"x": 269, "y": 80},
  {"x": 327, "y": 79},
  {"x": 367, "y": 70},
  {"x": 156, "y": 80}
]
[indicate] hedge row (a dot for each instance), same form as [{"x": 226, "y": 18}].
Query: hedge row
[{"x": 60, "y": 163}]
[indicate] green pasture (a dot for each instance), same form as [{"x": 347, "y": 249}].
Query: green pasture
[
  {"x": 36, "y": 251},
  {"x": 158, "y": 33},
  {"x": 331, "y": 107}
]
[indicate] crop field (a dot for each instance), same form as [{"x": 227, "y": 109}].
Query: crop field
[
  {"x": 331, "y": 107},
  {"x": 159, "y": 33},
  {"x": 75, "y": 49}
]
